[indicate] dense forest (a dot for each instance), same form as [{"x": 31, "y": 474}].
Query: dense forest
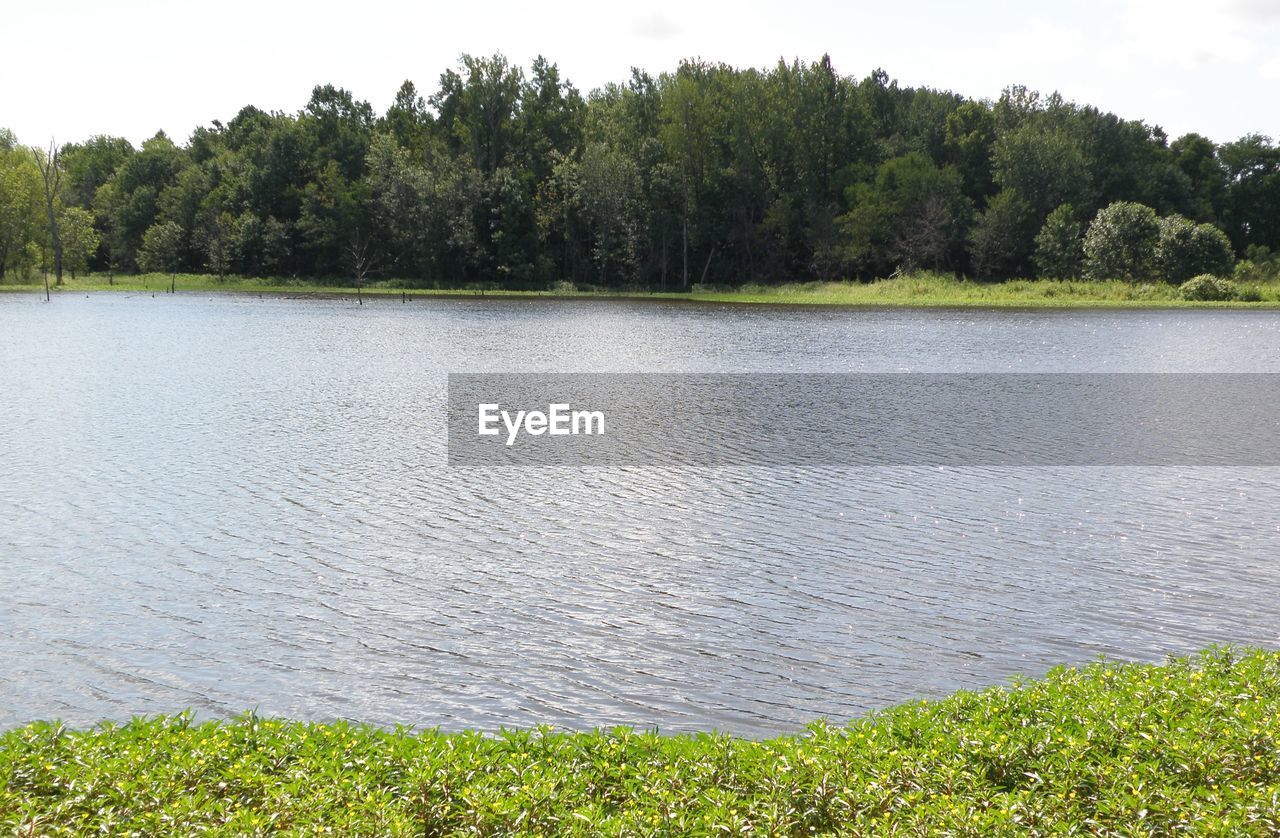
[{"x": 708, "y": 174}]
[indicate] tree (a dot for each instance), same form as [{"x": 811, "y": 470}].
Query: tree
[
  {"x": 1044, "y": 164},
  {"x": 51, "y": 174},
  {"x": 218, "y": 236},
  {"x": 362, "y": 260},
  {"x": 88, "y": 165},
  {"x": 1197, "y": 158},
  {"x": 129, "y": 203},
  {"x": 1121, "y": 242},
  {"x": 1251, "y": 204},
  {"x": 912, "y": 216},
  {"x": 606, "y": 192},
  {"x": 970, "y": 135},
  {"x": 477, "y": 109},
  {"x": 161, "y": 250},
  {"x": 507, "y": 175},
  {"x": 1059, "y": 249},
  {"x": 1175, "y": 253},
  {"x": 1212, "y": 251},
  {"x": 1000, "y": 240},
  {"x": 79, "y": 239},
  {"x": 21, "y": 203},
  {"x": 1187, "y": 249}
]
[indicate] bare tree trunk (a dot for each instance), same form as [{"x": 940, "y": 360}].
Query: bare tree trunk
[
  {"x": 685, "y": 240},
  {"x": 52, "y": 180},
  {"x": 361, "y": 263},
  {"x": 664, "y": 258},
  {"x": 702, "y": 280}
]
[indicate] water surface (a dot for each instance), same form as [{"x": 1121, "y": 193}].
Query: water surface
[{"x": 229, "y": 502}]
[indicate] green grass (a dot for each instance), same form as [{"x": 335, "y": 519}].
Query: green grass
[
  {"x": 920, "y": 290},
  {"x": 1190, "y": 746}
]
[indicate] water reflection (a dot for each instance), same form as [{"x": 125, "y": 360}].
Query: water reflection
[{"x": 226, "y": 503}]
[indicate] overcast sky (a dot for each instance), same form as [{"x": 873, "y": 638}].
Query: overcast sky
[{"x": 131, "y": 67}]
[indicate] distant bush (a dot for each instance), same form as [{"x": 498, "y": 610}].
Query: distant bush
[
  {"x": 1258, "y": 265},
  {"x": 1121, "y": 242},
  {"x": 1187, "y": 249},
  {"x": 1059, "y": 250},
  {"x": 1208, "y": 288},
  {"x": 1213, "y": 252},
  {"x": 1175, "y": 251}
]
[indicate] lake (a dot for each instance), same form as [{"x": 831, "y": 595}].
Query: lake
[{"x": 226, "y": 502}]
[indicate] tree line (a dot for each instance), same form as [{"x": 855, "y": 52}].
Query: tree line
[{"x": 709, "y": 174}]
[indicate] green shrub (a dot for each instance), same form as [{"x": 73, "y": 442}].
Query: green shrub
[
  {"x": 1121, "y": 242},
  {"x": 1187, "y": 249},
  {"x": 1208, "y": 288},
  {"x": 1258, "y": 265},
  {"x": 1189, "y": 747},
  {"x": 1059, "y": 250},
  {"x": 1212, "y": 252}
]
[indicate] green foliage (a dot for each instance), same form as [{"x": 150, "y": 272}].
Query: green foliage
[
  {"x": 922, "y": 289},
  {"x": 1259, "y": 265},
  {"x": 1208, "y": 288},
  {"x": 22, "y": 220},
  {"x": 1190, "y": 746},
  {"x": 91, "y": 164},
  {"x": 1000, "y": 236},
  {"x": 1175, "y": 252},
  {"x": 728, "y": 176},
  {"x": 161, "y": 247},
  {"x": 80, "y": 239},
  {"x": 604, "y": 187},
  {"x": 1043, "y": 163},
  {"x": 912, "y": 216},
  {"x": 1186, "y": 249},
  {"x": 1250, "y": 210},
  {"x": 1059, "y": 247},
  {"x": 1211, "y": 250},
  {"x": 1121, "y": 242}
]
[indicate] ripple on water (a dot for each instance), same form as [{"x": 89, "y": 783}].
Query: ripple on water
[{"x": 237, "y": 503}]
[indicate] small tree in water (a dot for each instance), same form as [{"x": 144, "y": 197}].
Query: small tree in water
[
  {"x": 51, "y": 172},
  {"x": 362, "y": 261}
]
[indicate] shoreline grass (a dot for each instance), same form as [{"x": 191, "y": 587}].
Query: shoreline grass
[
  {"x": 1109, "y": 748},
  {"x": 918, "y": 291}
]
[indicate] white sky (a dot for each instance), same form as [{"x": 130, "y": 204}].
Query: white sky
[{"x": 79, "y": 67}]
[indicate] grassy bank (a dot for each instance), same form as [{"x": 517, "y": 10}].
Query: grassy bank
[
  {"x": 1137, "y": 749},
  {"x": 922, "y": 290}
]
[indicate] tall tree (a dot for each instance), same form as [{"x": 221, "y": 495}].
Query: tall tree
[{"x": 51, "y": 174}]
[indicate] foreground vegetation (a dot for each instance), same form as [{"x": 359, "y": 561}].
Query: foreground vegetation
[
  {"x": 919, "y": 290},
  {"x": 1124, "y": 748}
]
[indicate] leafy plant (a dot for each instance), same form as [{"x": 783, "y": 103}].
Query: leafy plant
[
  {"x": 1121, "y": 242},
  {"x": 1208, "y": 288},
  {"x": 1186, "y": 249},
  {"x": 1110, "y": 748}
]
